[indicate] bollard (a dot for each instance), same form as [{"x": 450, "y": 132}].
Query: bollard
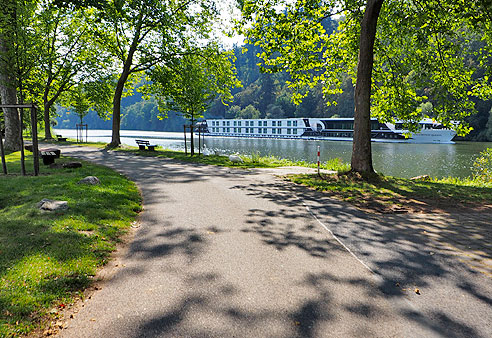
[{"x": 318, "y": 162}]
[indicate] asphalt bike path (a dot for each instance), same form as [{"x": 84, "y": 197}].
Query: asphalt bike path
[{"x": 224, "y": 252}]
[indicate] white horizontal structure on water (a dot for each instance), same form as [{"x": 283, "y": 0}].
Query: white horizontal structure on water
[{"x": 335, "y": 129}]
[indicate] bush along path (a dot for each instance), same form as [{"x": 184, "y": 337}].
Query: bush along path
[{"x": 48, "y": 258}]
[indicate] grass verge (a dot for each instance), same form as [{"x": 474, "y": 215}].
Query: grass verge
[
  {"x": 254, "y": 160},
  {"x": 249, "y": 161},
  {"x": 383, "y": 194},
  {"x": 47, "y": 259}
]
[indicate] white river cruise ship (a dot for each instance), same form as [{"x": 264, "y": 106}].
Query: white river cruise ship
[{"x": 334, "y": 129}]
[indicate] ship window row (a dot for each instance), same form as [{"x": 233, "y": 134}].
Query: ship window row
[
  {"x": 225, "y": 123},
  {"x": 384, "y": 135},
  {"x": 399, "y": 126},
  {"x": 276, "y": 131}
]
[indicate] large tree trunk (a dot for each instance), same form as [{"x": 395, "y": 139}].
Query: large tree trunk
[
  {"x": 118, "y": 93},
  {"x": 361, "y": 151},
  {"x": 8, "y": 95},
  {"x": 46, "y": 118},
  {"x": 11, "y": 115}
]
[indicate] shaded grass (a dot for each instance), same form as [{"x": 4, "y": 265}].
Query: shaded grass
[
  {"x": 390, "y": 194},
  {"x": 47, "y": 259}
]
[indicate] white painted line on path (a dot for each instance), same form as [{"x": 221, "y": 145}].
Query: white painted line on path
[
  {"x": 338, "y": 239},
  {"x": 404, "y": 303}
]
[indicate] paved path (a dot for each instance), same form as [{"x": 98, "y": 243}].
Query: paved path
[{"x": 240, "y": 253}]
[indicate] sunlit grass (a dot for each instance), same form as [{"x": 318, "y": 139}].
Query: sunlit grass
[
  {"x": 253, "y": 160},
  {"x": 48, "y": 259}
]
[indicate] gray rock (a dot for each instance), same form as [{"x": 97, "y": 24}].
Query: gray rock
[
  {"x": 51, "y": 205},
  {"x": 89, "y": 180}
]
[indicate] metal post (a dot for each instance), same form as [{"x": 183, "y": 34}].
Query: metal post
[
  {"x": 186, "y": 149},
  {"x": 192, "y": 141},
  {"x": 4, "y": 163},
  {"x": 199, "y": 140},
  {"x": 203, "y": 141},
  {"x": 23, "y": 164},
  {"x": 318, "y": 162},
  {"x": 34, "y": 131}
]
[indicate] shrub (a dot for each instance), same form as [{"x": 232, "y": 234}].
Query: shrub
[
  {"x": 255, "y": 157},
  {"x": 482, "y": 166}
]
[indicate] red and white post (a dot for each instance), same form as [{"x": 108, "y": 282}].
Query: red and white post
[{"x": 318, "y": 162}]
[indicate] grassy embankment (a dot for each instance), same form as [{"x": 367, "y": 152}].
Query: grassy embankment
[
  {"x": 46, "y": 259},
  {"x": 380, "y": 194}
]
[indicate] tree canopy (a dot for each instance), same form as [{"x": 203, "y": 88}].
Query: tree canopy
[
  {"x": 398, "y": 53},
  {"x": 144, "y": 34},
  {"x": 189, "y": 84}
]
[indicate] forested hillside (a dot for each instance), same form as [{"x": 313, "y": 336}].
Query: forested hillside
[
  {"x": 138, "y": 114},
  {"x": 263, "y": 95}
]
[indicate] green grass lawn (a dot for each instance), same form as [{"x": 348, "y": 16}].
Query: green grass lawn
[
  {"x": 46, "y": 260},
  {"x": 390, "y": 194}
]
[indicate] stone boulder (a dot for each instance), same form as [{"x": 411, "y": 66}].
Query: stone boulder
[
  {"x": 93, "y": 180},
  {"x": 52, "y": 205}
]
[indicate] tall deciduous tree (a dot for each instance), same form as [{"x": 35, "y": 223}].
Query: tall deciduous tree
[
  {"x": 189, "y": 84},
  {"x": 49, "y": 50},
  {"x": 144, "y": 33},
  {"x": 399, "y": 54},
  {"x": 68, "y": 55}
]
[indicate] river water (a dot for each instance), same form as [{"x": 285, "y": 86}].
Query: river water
[{"x": 394, "y": 159}]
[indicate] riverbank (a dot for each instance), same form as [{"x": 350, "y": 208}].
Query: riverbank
[
  {"x": 252, "y": 160},
  {"x": 391, "y": 159},
  {"x": 385, "y": 194}
]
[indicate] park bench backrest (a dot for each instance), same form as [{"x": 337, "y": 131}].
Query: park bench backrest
[{"x": 139, "y": 142}]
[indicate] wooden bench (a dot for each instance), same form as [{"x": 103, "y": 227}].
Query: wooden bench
[
  {"x": 143, "y": 143},
  {"x": 60, "y": 138},
  {"x": 49, "y": 154}
]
